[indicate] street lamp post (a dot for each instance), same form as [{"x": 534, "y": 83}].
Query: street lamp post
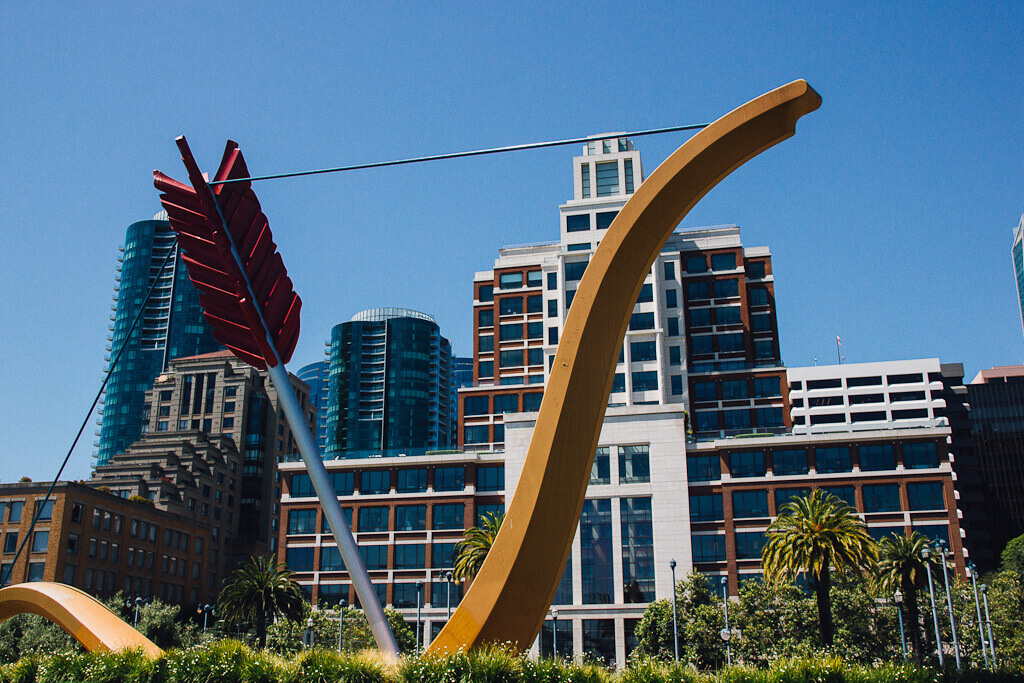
[
  {"x": 926, "y": 555},
  {"x": 949, "y": 601},
  {"x": 726, "y": 633},
  {"x": 675, "y": 630},
  {"x": 448, "y": 578},
  {"x": 138, "y": 604},
  {"x": 988, "y": 624},
  {"x": 973, "y": 571},
  {"x": 899, "y": 613},
  {"x": 419, "y": 601},
  {"x": 554, "y": 633}
]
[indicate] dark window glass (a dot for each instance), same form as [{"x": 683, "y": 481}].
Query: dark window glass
[
  {"x": 696, "y": 264},
  {"x": 637, "y": 550},
  {"x": 758, "y": 296},
  {"x": 410, "y": 518},
  {"x": 882, "y": 498},
  {"x": 677, "y": 385},
  {"x": 671, "y": 299},
  {"x": 599, "y": 640},
  {"x": 769, "y": 417},
  {"x": 700, "y": 317},
  {"x": 375, "y": 481},
  {"x": 552, "y": 336},
  {"x": 645, "y": 381},
  {"x": 577, "y": 223},
  {"x": 552, "y": 308},
  {"x": 486, "y": 368},
  {"x": 706, "y": 420},
  {"x": 485, "y": 317},
  {"x": 44, "y": 510},
  {"x": 784, "y": 496},
  {"x": 605, "y": 218},
  {"x": 375, "y": 557},
  {"x": 641, "y": 321},
  {"x": 330, "y": 559},
  {"x": 531, "y": 402},
  {"x": 582, "y": 246},
  {"x": 913, "y": 414},
  {"x": 843, "y": 493},
  {"x": 670, "y": 270},
  {"x": 410, "y": 556},
  {"x": 764, "y": 348},
  {"x": 736, "y": 419},
  {"x": 880, "y": 532},
  {"x": 864, "y": 381},
  {"x": 706, "y": 508},
  {"x": 485, "y": 293},
  {"x": 596, "y": 552},
  {"x": 833, "y": 459},
  {"x": 535, "y": 356},
  {"x": 301, "y": 486},
  {"x": 574, "y": 270},
  {"x": 750, "y": 503},
  {"x": 761, "y": 322},
  {"x": 646, "y": 294},
  {"x": 443, "y": 555},
  {"x": 412, "y": 480},
  {"x": 449, "y": 516},
  {"x": 343, "y": 482},
  {"x": 735, "y": 389},
  {"x": 696, "y": 291},
  {"x": 933, "y": 532},
  {"x": 897, "y": 396},
  {"x": 533, "y": 278},
  {"x": 727, "y": 315},
  {"x": 642, "y": 351},
  {"x": 868, "y": 416},
  {"x": 767, "y": 386},
  {"x": 861, "y": 399},
  {"x": 755, "y": 269},
  {"x": 828, "y": 418},
  {"x": 475, "y": 405},
  {"x": 534, "y": 303},
  {"x": 726, "y": 288},
  {"x": 927, "y": 496},
  {"x": 704, "y": 391},
  {"x": 729, "y": 343},
  {"x": 634, "y": 464},
  {"x": 407, "y": 595},
  {"x": 552, "y": 281},
  {"x": 673, "y": 326},
  {"x": 513, "y": 358},
  {"x": 905, "y": 379},
  {"x": 373, "y": 518},
  {"x": 789, "y": 462},
  {"x": 600, "y": 472},
  {"x": 708, "y": 548},
  {"x": 510, "y": 280},
  {"x": 491, "y": 478},
  {"x": 723, "y": 261},
  {"x": 302, "y": 522},
  {"x": 510, "y": 305},
  {"x": 919, "y": 456},
  {"x": 749, "y": 544},
  {"x": 747, "y": 464},
  {"x": 299, "y": 559},
  {"x": 449, "y": 478},
  {"x": 703, "y": 467},
  {"x": 877, "y": 457},
  {"x": 675, "y": 356},
  {"x": 618, "y": 382},
  {"x": 511, "y": 331},
  {"x": 701, "y": 344}
]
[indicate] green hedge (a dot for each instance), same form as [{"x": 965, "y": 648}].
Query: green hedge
[{"x": 229, "y": 661}]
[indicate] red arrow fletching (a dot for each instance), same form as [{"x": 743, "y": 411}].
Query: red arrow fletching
[{"x": 240, "y": 294}]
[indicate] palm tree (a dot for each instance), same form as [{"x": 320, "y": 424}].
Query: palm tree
[
  {"x": 259, "y": 589},
  {"x": 816, "y": 535},
  {"x": 901, "y": 566},
  {"x": 476, "y": 542}
]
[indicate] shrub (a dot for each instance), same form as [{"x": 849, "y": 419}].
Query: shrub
[{"x": 327, "y": 666}]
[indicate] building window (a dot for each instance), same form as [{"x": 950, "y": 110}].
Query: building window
[
  {"x": 769, "y": 417},
  {"x": 730, "y": 343},
  {"x": 882, "y": 498},
  {"x": 40, "y": 540},
  {"x": 486, "y": 368},
  {"x": 637, "y": 550},
  {"x": 552, "y": 335},
  {"x": 36, "y": 571},
  {"x": 706, "y": 508},
  {"x": 531, "y": 402},
  {"x": 576, "y": 223},
  {"x": 758, "y": 296},
  {"x": 634, "y": 464},
  {"x": 911, "y": 378},
  {"x": 299, "y": 559},
  {"x": 708, "y": 548},
  {"x": 919, "y": 456},
  {"x": 627, "y": 166},
  {"x": 646, "y": 294},
  {"x": 510, "y": 280},
  {"x": 375, "y": 481},
  {"x": 789, "y": 462},
  {"x": 449, "y": 478},
  {"x": 723, "y": 261},
  {"x": 415, "y": 480},
  {"x": 767, "y": 386},
  {"x": 735, "y": 389},
  {"x": 596, "y": 552},
  {"x": 843, "y": 493},
  {"x": 750, "y": 503},
  {"x": 673, "y": 326},
  {"x": 373, "y": 519},
  {"x": 696, "y": 264},
  {"x": 302, "y": 522},
  {"x": 736, "y": 419},
  {"x": 510, "y": 305},
  {"x": 535, "y": 356},
  {"x": 496, "y": 510},
  {"x": 491, "y": 478},
  {"x": 670, "y": 298},
  {"x": 645, "y": 381},
  {"x": 727, "y": 315},
  {"x": 585, "y": 180},
  {"x": 301, "y": 486},
  {"x": 513, "y": 358},
  {"x": 410, "y": 556},
  {"x": 761, "y": 322},
  {"x": 725, "y": 289},
  {"x": 618, "y": 382},
  {"x": 927, "y": 496},
  {"x": 442, "y": 555},
  {"x": 330, "y": 560},
  {"x": 574, "y": 270},
  {"x": 755, "y": 269},
  {"x": 552, "y": 308},
  {"x": 696, "y": 291},
  {"x": 877, "y": 457},
  {"x": 642, "y": 351},
  {"x": 375, "y": 557},
  {"x": 703, "y": 468},
  {"x": 706, "y": 420},
  {"x": 600, "y": 472},
  {"x": 832, "y": 459},
  {"x": 749, "y": 544},
  {"x": 784, "y": 496},
  {"x": 511, "y": 331},
  {"x": 485, "y": 317},
  {"x": 747, "y": 464},
  {"x": 677, "y": 385},
  {"x": 607, "y": 173},
  {"x": 473, "y": 434},
  {"x": 704, "y": 391},
  {"x": 449, "y": 516},
  {"x": 641, "y": 321}
]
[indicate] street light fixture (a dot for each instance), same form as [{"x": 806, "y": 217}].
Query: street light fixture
[
  {"x": 726, "y": 633},
  {"x": 448, "y": 578},
  {"x": 419, "y": 602},
  {"x": 899, "y": 613},
  {"x": 341, "y": 625},
  {"x": 988, "y": 624},
  {"x": 554, "y": 633},
  {"x": 926, "y": 556},
  {"x": 972, "y": 571},
  {"x": 949, "y": 600},
  {"x": 675, "y": 629}
]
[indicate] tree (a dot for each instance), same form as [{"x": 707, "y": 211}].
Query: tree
[
  {"x": 476, "y": 542},
  {"x": 901, "y": 565},
  {"x": 816, "y": 535},
  {"x": 1012, "y": 558},
  {"x": 285, "y": 635},
  {"x": 260, "y": 589},
  {"x": 699, "y": 619}
]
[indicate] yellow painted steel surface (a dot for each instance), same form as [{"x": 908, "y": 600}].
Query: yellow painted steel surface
[
  {"x": 80, "y": 614},
  {"x": 509, "y": 598}
]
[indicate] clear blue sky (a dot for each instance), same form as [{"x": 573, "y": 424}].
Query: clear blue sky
[{"x": 889, "y": 214}]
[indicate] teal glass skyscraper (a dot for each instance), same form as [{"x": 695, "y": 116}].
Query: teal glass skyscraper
[
  {"x": 315, "y": 375},
  {"x": 390, "y": 384},
  {"x": 171, "y": 326},
  {"x": 1018, "y": 265}
]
